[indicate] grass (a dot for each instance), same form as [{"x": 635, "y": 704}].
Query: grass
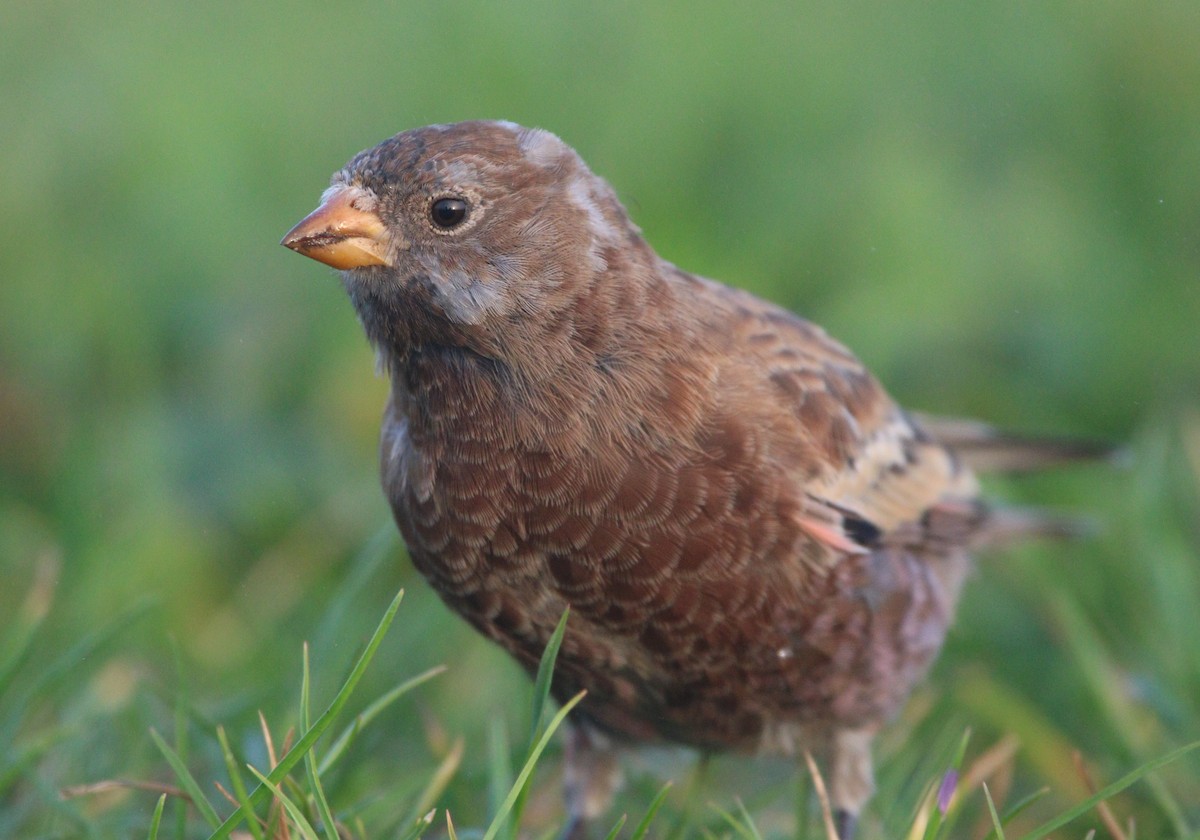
[
  {"x": 289, "y": 803},
  {"x": 1022, "y": 775},
  {"x": 993, "y": 204}
]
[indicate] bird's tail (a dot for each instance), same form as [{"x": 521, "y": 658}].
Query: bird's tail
[
  {"x": 1005, "y": 525},
  {"x": 985, "y": 449}
]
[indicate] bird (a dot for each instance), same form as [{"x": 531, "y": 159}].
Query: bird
[{"x": 761, "y": 551}]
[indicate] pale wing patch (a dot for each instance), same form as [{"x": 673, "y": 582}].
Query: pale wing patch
[{"x": 894, "y": 477}]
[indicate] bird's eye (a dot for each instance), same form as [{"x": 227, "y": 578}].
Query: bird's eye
[{"x": 448, "y": 213}]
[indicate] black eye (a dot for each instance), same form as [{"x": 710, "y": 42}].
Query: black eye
[{"x": 448, "y": 213}]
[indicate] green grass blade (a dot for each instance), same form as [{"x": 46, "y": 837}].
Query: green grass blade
[
  {"x": 644, "y": 826},
  {"x": 934, "y": 826},
  {"x": 801, "y": 800},
  {"x": 300, "y": 823},
  {"x": 440, "y": 780},
  {"x": 1013, "y": 812},
  {"x": 1105, "y": 683},
  {"x": 157, "y": 818},
  {"x": 531, "y": 762},
  {"x": 616, "y": 829},
  {"x": 235, "y": 779},
  {"x": 347, "y": 736},
  {"x": 499, "y": 765},
  {"x": 181, "y": 705},
  {"x": 288, "y": 761},
  {"x": 695, "y": 784},
  {"x": 748, "y": 820},
  {"x": 186, "y": 780},
  {"x": 310, "y": 757},
  {"x": 541, "y": 695},
  {"x": 419, "y": 826},
  {"x": 305, "y": 686},
  {"x": 1108, "y": 792},
  {"x": 744, "y": 827},
  {"x": 541, "y": 686},
  {"x": 997, "y": 827}
]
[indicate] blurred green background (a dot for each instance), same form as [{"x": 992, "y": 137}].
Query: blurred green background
[{"x": 997, "y": 205}]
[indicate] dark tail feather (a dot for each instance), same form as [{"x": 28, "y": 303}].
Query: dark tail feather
[
  {"x": 1003, "y": 526},
  {"x": 986, "y": 449}
]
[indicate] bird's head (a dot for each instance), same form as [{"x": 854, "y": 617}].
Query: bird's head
[{"x": 463, "y": 230}]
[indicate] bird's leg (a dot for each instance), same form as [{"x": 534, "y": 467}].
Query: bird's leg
[
  {"x": 591, "y": 777},
  {"x": 853, "y": 782},
  {"x": 844, "y": 823}
]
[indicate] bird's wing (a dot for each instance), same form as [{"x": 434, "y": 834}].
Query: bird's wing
[{"x": 867, "y": 469}]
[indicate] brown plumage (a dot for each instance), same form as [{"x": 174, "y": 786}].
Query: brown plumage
[{"x": 760, "y": 549}]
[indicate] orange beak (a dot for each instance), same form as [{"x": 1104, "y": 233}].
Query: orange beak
[{"x": 341, "y": 234}]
